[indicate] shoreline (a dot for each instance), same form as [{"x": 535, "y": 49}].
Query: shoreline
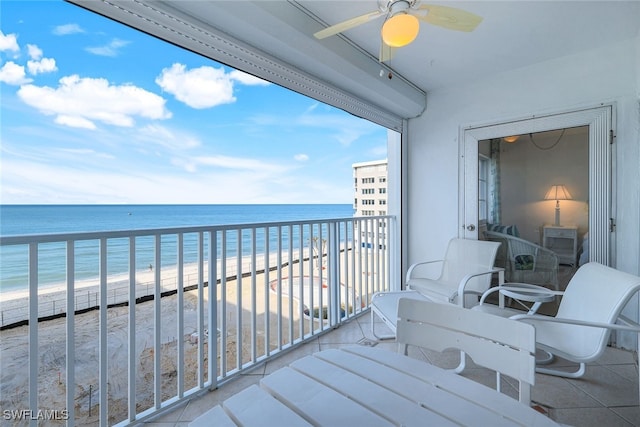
[{"x": 52, "y": 299}]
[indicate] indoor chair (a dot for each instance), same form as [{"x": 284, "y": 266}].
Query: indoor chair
[{"x": 525, "y": 261}]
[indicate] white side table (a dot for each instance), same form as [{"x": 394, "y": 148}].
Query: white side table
[
  {"x": 519, "y": 292},
  {"x": 563, "y": 240},
  {"x": 529, "y": 293}
]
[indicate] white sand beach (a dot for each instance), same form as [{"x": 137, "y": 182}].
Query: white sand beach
[
  {"x": 52, "y": 344},
  {"x": 52, "y": 298}
]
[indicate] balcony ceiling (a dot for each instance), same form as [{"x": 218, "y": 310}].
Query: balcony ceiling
[{"x": 513, "y": 34}]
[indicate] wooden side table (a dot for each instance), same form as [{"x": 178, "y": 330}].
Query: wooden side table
[{"x": 563, "y": 240}]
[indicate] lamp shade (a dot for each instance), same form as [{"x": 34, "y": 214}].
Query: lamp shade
[
  {"x": 558, "y": 192},
  {"x": 400, "y": 30}
]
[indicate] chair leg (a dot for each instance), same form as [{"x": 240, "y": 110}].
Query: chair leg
[
  {"x": 463, "y": 359},
  {"x": 577, "y": 374},
  {"x": 373, "y": 330},
  {"x": 547, "y": 359}
]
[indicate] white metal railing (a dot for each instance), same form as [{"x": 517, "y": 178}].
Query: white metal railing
[{"x": 95, "y": 356}]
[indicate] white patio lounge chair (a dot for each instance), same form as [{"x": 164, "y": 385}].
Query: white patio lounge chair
[
  {"x": 590, "y": 307},
  {"x": 465, "y": 273},
  {"x": 502, "y": 345}
]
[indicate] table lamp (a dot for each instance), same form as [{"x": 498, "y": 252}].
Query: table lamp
[{"x": 557, "y": 193}]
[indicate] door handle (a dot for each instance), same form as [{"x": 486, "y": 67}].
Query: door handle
[{"x": 471, "y": 227}]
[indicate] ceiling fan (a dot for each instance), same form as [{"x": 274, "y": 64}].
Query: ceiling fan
[{"x": 401, "y": 25}]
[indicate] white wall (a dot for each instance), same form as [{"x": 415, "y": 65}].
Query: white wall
[
  {"x": 585, "y": 80},
  {"x": 527, "y": 173},
  {"x": 603, "y": 75}
]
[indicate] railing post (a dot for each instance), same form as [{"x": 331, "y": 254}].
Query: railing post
[
  {"x": 333, "y": 274},
  {"x": 70, "y": 329},
  {"x": 213, "y": 310},
  {"x": 200, "y": 311},
  {"x": 103, "y": 327},
  {"x": 157, "y": 322},
  {"x": 180, "y": 313},
  {"x": 131, "y": 348},
  {"x": 33, "y": 331}
]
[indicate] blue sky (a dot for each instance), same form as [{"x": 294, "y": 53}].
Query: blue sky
[{"x": 95, "y": 112}]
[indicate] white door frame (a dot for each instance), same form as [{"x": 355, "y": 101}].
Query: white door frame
[{"x": 600, "y": 120}]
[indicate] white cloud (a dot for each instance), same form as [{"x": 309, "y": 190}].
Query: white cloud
[
  {"x": 26, "y": 182},
  {"x": 81, "y": 102},
  {"x": 247, "y": 79},
  {"x": 75, "y": 122},
  {"x": 13, "y": 74},
  {"x": 312, "y": 108},
  {"x": 203, "y": 87},
  {"x": 85, "y": 152},
  {"x": 345, "y": 129},
  {"x": 45, "y": 65},
  {"x": 220, "y": 162},
  {"x": 341, "y": 127},
  {"x": 112, "y": 49},
  {"x": 63, "y": 30},
  {"x": 379, "y": 151},
  {"x": 9, "y": 42},
  {"x": 38, "y": 64},
  {"x": 170, "y": 139},
  {"x": 301, "y": 157},
  {"x": 35, "y": 52}
]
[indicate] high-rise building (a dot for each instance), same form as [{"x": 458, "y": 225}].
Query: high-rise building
[{"x": 370, "y": 183}]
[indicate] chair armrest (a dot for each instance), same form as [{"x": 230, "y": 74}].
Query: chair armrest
[
  {"x": 487, "y": 293},
  {"x": 545, "y": 260},
  {"x": 538, "y": 317},
  {"x": 413, "y": 267},
  {"x": 628, "y": 321},
  {"x": 465, "y": 280}
]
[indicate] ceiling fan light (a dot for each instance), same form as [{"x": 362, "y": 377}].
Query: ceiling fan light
[
  {"x": 400, "y": 30},
  {"x": 511, "y": 139}
]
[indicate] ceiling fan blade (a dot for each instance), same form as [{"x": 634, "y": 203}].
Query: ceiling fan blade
[
  {"x": 386, "y": 52},
  {"x": 449, "y": 17},
  {"x": 348, "y": 24}
]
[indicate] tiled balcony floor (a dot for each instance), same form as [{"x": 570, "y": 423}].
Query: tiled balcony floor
[{"x": 606, "y": 396}]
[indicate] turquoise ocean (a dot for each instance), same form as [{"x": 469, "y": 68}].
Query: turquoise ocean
[{"x": 48, "y": 219}]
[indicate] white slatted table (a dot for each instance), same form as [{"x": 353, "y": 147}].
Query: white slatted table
[{"x": 370, "y": 387}]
